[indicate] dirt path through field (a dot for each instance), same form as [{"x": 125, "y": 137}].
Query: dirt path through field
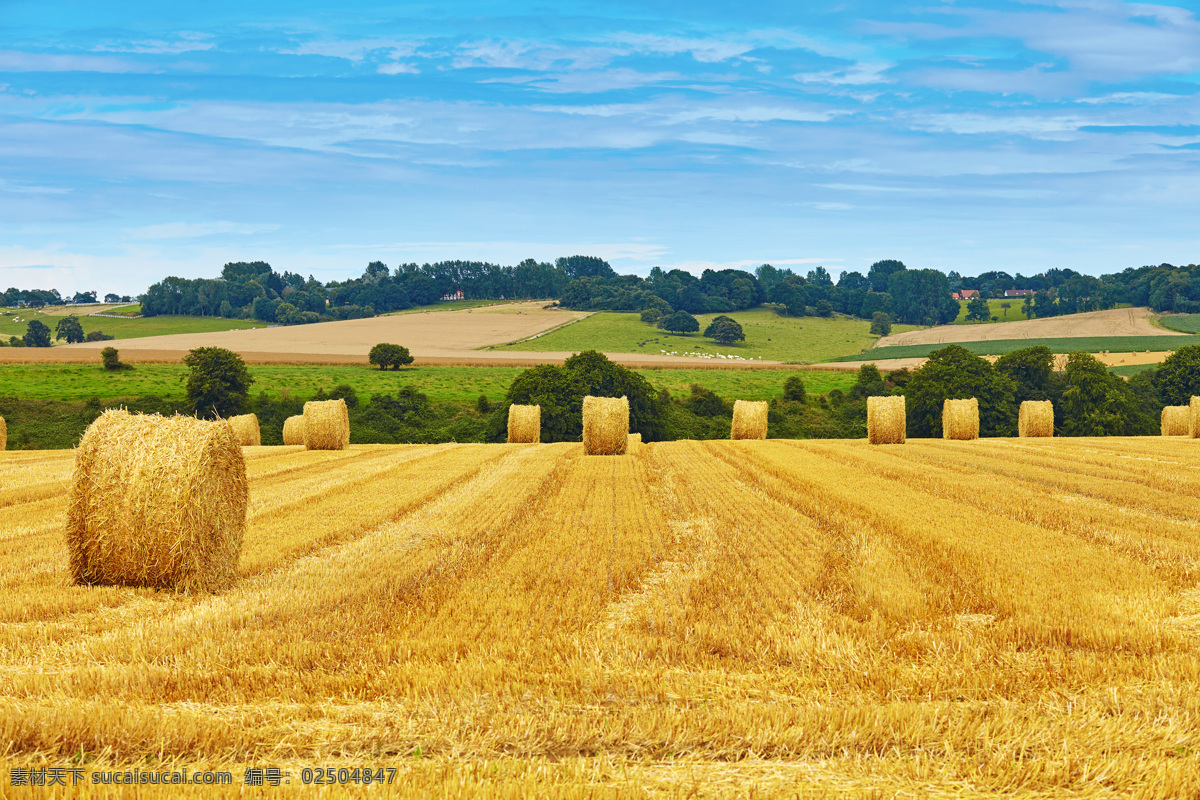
[{"x": 1114, "y": 322}]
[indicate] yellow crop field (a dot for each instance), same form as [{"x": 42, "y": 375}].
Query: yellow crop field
[{"x": 990, "y": 618}]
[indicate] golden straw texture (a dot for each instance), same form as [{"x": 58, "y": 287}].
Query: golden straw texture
[
  {"x": 3, "y": 434},
  {"x": 1194, "y": 418},
  {"x": 886, "y": 421},
  {"x": 326, "y": 425},
  {"x": 293, "y": 430},
  {"x": 157, "y": 501},
  {"x": 1036, "y": 418},
  {"x": 524, "y": 424},
  {"x": 960, "y": 419},
  {"x": 605, "y": 425},
  {"x": 749, "y": 419},
  {"x": 1176, "y": 421},
  {"x": 245, "y": 430},
  {"x": 634, "y": 443}
]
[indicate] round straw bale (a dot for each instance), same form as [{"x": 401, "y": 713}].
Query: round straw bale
[
  {"x": 749, "y": 419},
  {"x": 605, "y": 425},
  {"x": 3, "y": 434},
  {"x": 293, "y": 430},
  {"x": 157, "y": 501},
  {"x": 1036, "y": 418},
  {"x": 960, "y": 419},
  {"x": 326, "y": 425},
  {"x": 886, "y": 421},
  {"x": 1194, "y": 417},
  {"x": 1176, "y": 420},
  {"x": 245, "y": 430},
  {"x": 524, "y": 424}
]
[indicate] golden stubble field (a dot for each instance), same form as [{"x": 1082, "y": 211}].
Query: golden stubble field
[{"x": 699, "y": 619}]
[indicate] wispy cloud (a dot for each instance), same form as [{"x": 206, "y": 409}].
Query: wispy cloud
[
  {"x": 196, "y": 230},
  {"x": 18, "y": 61}
]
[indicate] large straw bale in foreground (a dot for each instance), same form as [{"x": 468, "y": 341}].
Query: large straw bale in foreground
[
  {"x": 157, "y": 501},
  {"x": 245, "y": 430},
  {"x": 605, "y": 425},
  {"x": 1176, "y": 421},
  {"x": 326, "y": 425},
  {"x": 960, "y": 419},
  {"x": 293, "y": 430},
  {"x": 886, "y": 421},
  {"x": 1036, "y": 418},
  {"x": 3, "y": 434},
  {"x": 634, "y": 443},
  {"x": 1194, "y": 418},
  {"x": 524, "y": 424},
  {"x": 749, "y": 419}
]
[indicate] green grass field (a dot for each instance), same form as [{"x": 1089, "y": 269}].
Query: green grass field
[
  {"x": 1016, "y": 312},
  {"x": 803, "y": 340},
  {"x": 465, "y": 384},
  {"x": 123, "y": 328},
  {"x": 996, "y": 347},
  {"x": 1184, "y": 323}
]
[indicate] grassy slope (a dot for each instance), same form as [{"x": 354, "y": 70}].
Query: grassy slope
[
  {"x": 125, "y": 328},
  {"x": 768, "y": 336},
  {"x": 1014, "y": 314},
  {"x": 1184, "y": 323},
  {"x": 80, "y": 382},
  {"x": 1088, "y": 344}
]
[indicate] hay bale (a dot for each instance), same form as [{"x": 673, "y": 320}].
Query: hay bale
[
  {"x": 1176, "y": 421},
  {"x": 524, "y": 424},
  {"x": 749, "y": 419},
  {"x": 1036, "y": 418},
  {"x": 886, "y": 420},
  {"x": 1194, "y": 417},
  {"x": 960, "y": 419},
  {"x": 326, "y": 425},
  {"x": 634, "y": 443},
  {"x": 157, "y": 501},
  {"x": 293, "y": 430},
  {"x": 3, "y": 434},
  {"x": 245, "y": 430},
  {"x": 605, "y": 425}
]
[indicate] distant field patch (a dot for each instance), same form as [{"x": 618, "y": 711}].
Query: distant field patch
[
  {"x": 440, "y": 383},
  {"x": 1184, "y": 323},
  {"x": 1015, "y": 312},
  {"x": 997, "y": 347},
  {"x": 15, "y": 322},
  {"x": 768, "y": 336}
]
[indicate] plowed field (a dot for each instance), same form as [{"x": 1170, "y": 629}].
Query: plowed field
[{"x": 784, "y": 618}]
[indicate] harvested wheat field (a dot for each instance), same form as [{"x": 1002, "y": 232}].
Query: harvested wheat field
[{"x": 697, "y": 619}]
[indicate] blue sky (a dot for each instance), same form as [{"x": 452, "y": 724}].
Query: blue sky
[{"x": 139, "y": 140}]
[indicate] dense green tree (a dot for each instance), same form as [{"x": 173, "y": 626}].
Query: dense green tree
[
  {"x": 651, "y": 315},
  {"x": 37, "y": 334},
  {"x": 679, "y": 322},
  {"x": 793, "y": 389},
  {"x": 69, "y": 328},
  {"x": 869, "y": 383},
  {"x": 922, "y": 297},
  {"x": 111, "y": 359},
  {"x": 1030, "y": 370},
  {"x": 824, "y": 308},
  {"x": 1099, "y": 403},
  {"x": 704, "y": 402},
  {"x": 725, "y": 330},
  {"x": 389, "y": 356},
  {"x": 978, "y": 311},
  {"x": 1177, "y": 379},
  {"x": 956, "y": 373},
  {"x": 218, "y": 383},
  {"x": 881, "y": 324},
  {"x": 881, "y": 272}
]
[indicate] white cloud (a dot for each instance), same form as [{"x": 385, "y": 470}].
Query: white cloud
[
  {"x": 396, "y": 68},
  {"x": 18, "y": 61},
  {"x": 859, "y": 74},
  {"x": 187, "y": 42},
  {"x": 196, "y": 230}
]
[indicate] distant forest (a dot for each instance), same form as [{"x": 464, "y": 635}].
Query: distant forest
[{"x": 254, "y": 290}]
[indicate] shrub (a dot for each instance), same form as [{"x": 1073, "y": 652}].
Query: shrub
[
  {"x": 793, "y": 389},
  {"x": 385, "y": 355}
]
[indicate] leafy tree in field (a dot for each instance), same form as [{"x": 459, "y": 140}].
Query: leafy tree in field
[
  {"x": 956, "y": 373},
  {"x": 793, "y": 389},
  {"x": 69, "y": 328},
  {"x": 1178, "y": 377},
  {"x": 651, "y": 315},
  {"x": 98, "y": 336},
  {"x": 1098, "y": 403},
  {"x": 1031, "y": 370},
  {"x": 384, "y": 355},
  {"x": 680, "y": 322},
  {"x": 560, "y": 392},
  {"x": 881, "y": 324},
  {"x": 869, "y": 384},
  {"x": 824, "y": 308},
  {"x": 218, "y": 383},
  {"x": 111, "y": 359},
  {"x": 977, "y": 310},
  {"x": 37, "y": 334},
  {"x": 1006, "y": 305},
  {"x": 725, "y": 330}
]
